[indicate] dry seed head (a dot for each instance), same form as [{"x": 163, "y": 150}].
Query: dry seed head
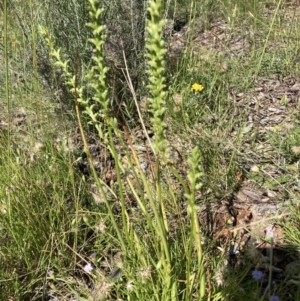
[
  {"x": 144, "y": 274},
  {"x": 102, "y": 290},
  {"x": 296, "y": 150}
]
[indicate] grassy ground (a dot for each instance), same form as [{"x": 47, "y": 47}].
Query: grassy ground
[{"x": 175, "y": 177}]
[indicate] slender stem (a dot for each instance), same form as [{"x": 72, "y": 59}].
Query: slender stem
[
  {"x": 7, "y": 97},
  {"x": 7, "y": 79}
]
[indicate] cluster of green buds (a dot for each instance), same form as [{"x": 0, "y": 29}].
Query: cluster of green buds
[{"x": 156, "y": 67}]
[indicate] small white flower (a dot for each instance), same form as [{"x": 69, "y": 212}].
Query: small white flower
[
  {"x": 130, "y": 286},
  {"x": 88, "y": 267},
  {"x": 144, "y": 166},
  {"x": 269, "y": 234},
  {"x": 100, "y": 227}
]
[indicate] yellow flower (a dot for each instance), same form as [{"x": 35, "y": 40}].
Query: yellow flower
[
  {"x": 196, "y": 87},
  {"x": 277, "y": 128}
]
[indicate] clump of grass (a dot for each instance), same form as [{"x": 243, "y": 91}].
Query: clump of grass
[
  {"x": 155, "y": 256},
  {"x": 142, "y": 239}
]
